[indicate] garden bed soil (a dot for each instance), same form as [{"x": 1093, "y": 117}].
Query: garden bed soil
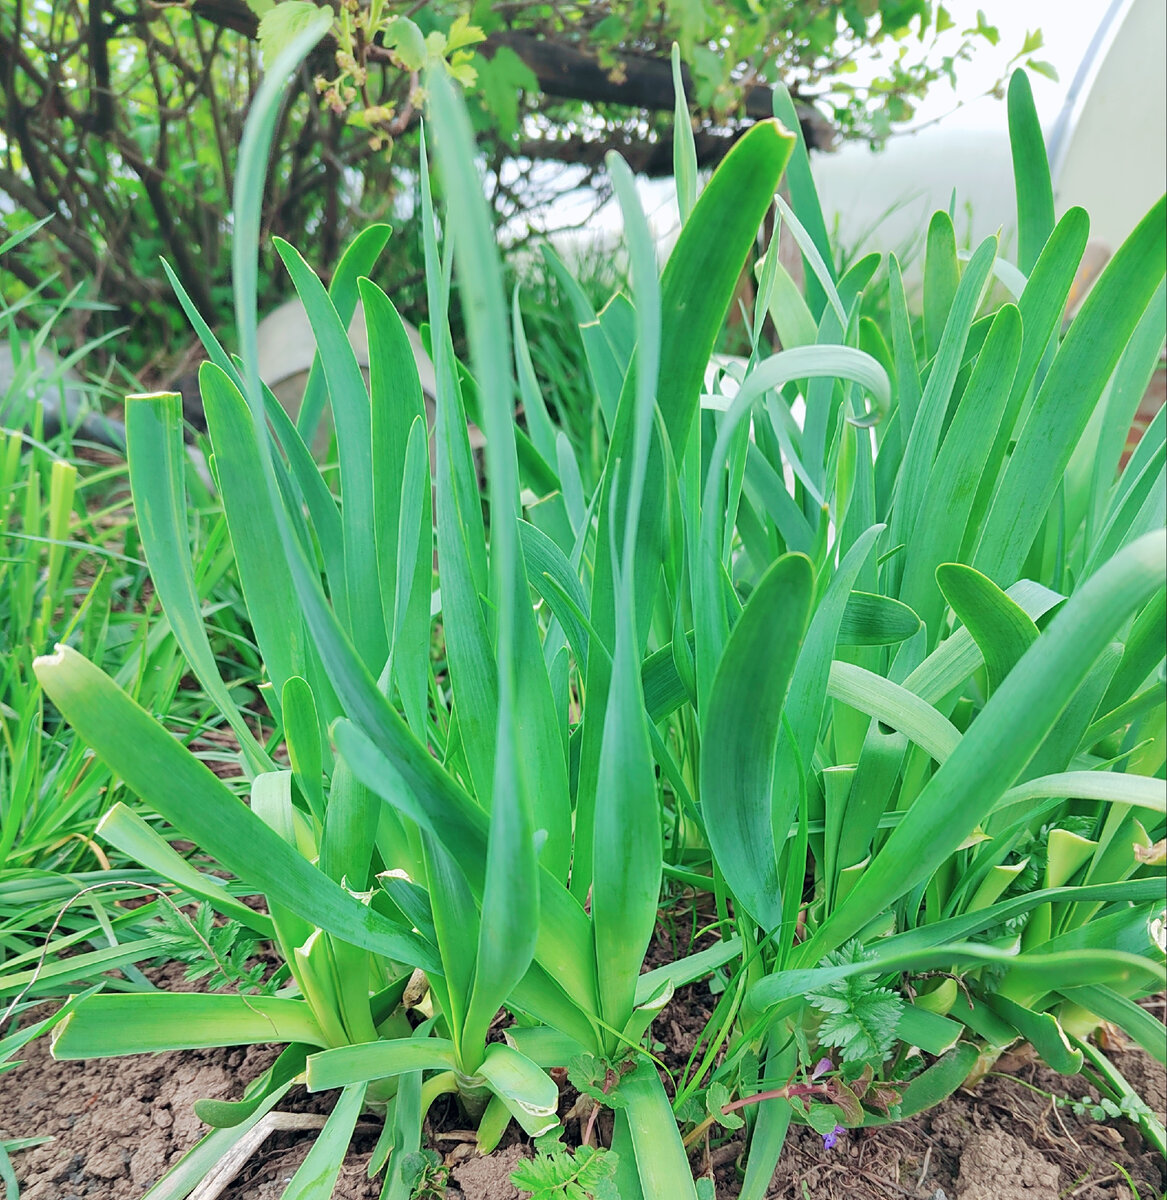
[{"x": 117, "y": 1124}]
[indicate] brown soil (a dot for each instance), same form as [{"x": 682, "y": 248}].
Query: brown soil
[
  {"x": 1000, "y": 1142},
  {"x": 118, "y": 1124}
]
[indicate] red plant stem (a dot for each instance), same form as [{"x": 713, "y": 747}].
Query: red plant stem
[{"x": 783, "y": 1093}]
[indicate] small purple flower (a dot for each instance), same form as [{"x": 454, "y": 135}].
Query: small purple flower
[
  {"x": 821, "y": 1067},
  {"x": 830, "y": 1139}
]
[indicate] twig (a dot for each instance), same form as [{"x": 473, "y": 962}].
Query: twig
[
  {"x": 840, "y": 1167},
  {"x": 1113, "y": 1177},
  {"x": 1057, "y": 1113},
  {"x": 924, "y": 1169},
  {"x": 215, "y": 1183}
]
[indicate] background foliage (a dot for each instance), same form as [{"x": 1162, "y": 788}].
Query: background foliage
[{"x": 118, "y": 119}]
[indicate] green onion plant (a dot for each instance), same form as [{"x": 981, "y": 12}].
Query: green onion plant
[{"x": 884, "y": 683}]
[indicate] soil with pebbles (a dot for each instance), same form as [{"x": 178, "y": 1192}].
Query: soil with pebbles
[{"x": 116, "y": 1125}]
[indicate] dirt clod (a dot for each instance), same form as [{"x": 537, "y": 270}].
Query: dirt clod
[
  {"x": 995, "y": 1165},
  {"x": 489, "y": 1178}
]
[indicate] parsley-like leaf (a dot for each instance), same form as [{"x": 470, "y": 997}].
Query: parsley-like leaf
[
  {"x": 221, "y": 954},
  {"x": 859, "y": 1019},
  {"x": 560, "y": 1174}
]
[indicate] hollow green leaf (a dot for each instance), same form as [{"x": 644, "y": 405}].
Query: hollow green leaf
[
  {"x": 815, "y": 261},
  {"x": 545, "y": 558},
  {"x": 544, "y": 1046},
  {"x": 543, "y": 432},
  {"x": 1042, "y": 1031},
  {"x": 959, "y": 467},
  {"x": 803, "y": 193},
  {"x": 350, "y": 824},
  {"x": 941, "y": 280},
  {"x": 968, "y": 923},
  {"x": 1130, "y": 1017},
  {"x": 302, "y": 734},
  {"x": 530, "y": 1094},
  {"x": 1042, "y": 305},
  {"x": 143, "y": 1023},
  {"x": 123, "y": 828},
  {"x": 1031, "y": 173},
  {"x": 896, "y": 706},
  {"x": 1079, "y": 372},
  {"x": 346, "y": 1065},
  {"x": 351, "y": 413},
  {"x": 176, "y": 785},
  {"x": 402, "y": 511},
  {"x": 930, "y": 1031},
  {"x": 684, "y": 149},
  {"x": 1113, "y": 786},
  {"x": 1127, "y": 388},
  {"x": 357, "y": 262},
  {"x": 223, "y": 1114},
  {"x": 1142, "y": 507},
  {"x": 1014, "y": 722},
  {"x": 316, "y": 1176},
  {"x": 740, "y": 733},
  {"x": 627, "y": 867},
  {"x": 908, "y": 385},
  {"x": 874, "y": 620},
  {"x": 958, "y": 656},
  {"x": 787, "y": 309},
  {"x": 1052, "y": 970},
  {"x": 1001, "y": 628},
  {"x": 922, "y": 443},
  {"x": 660, "y": 1157},
  {"x": 157, "y": 472},
  {"x": 15, "y": 1042}
]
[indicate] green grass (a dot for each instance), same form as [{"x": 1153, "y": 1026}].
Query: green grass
[{"x": 72, "y": 572}]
